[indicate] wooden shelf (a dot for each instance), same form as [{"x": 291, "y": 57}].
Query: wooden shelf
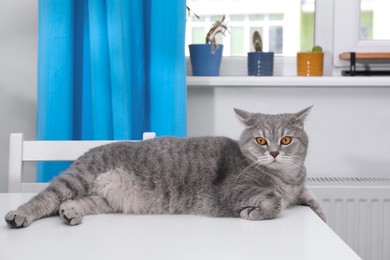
[
  {"x": 367, "y": 58},
  {"x": 365, "y": 55}
]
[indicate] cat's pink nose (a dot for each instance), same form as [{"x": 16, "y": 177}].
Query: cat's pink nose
[{"x": 274, "y": 154}]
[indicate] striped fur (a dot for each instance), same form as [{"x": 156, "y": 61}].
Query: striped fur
[{"x": 213, "y": 176}]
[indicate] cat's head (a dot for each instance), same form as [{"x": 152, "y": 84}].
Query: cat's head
[{"x": 274, "y": 141}]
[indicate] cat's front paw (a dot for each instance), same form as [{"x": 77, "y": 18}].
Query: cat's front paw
[
  {"x": 252, "y": 213},
  {"x": 266, "y": 209},
  {"x": 70, "y": 214},
  {"x": 17, "y": 219}
]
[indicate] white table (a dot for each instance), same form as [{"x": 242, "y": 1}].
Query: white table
[{"x": 297, "y": 234}]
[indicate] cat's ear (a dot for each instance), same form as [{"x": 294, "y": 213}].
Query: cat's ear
[
  {"x": 243, "y": 115},
  {"x": 301, "y": 116}
]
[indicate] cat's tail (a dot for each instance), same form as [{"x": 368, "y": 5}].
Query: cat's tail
[{"x": 69, "y": 185}]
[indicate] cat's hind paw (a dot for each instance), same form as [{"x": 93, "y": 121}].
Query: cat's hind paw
[
  {"x": 17, "y": 219},
  {"x": 69, "y": 214},
  {"x": 320, "y": 214}
]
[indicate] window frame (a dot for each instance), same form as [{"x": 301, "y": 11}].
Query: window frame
[{"x": 246, "y": 24}]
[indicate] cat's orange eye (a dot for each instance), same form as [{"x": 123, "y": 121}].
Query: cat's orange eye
[
  {"x": 261, "y": 141},
  {"x": 286, "y": 140}
]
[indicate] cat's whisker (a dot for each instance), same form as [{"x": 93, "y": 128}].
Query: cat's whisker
[{"x": 248, "y": 168}]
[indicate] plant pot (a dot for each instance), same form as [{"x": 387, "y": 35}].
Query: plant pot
[
  {"x": 205, "y": 59},
  {"x": 310, "y": 63},
  {"x": 260, "y": 63}
]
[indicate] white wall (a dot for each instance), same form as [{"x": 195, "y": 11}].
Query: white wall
[
  {"x": 348, "y": 128},
  {"x": 18, "y": 52}
]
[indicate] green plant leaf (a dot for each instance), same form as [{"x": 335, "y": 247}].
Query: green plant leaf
[
  {"x": 317, "y": 48},
  {"x": 257, "y": 41}
]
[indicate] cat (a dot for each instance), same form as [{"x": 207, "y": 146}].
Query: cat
[{"x": 253, "y": 178}]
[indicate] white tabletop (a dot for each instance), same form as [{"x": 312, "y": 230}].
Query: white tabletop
[{"x": 296, "y": 234}]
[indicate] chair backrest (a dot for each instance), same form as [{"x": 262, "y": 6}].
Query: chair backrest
[{"x": 21, "y": 151}]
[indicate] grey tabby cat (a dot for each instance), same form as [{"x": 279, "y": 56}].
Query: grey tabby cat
[{"x": 254, "y": 178}]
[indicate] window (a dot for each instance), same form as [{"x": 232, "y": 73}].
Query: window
[
  {"x": 286, "y": 26},
  {"x": 374, "y": 15},
  {"x": 363, "y": 32}
]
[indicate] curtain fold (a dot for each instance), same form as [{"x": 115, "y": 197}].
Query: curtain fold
[
  {"x": 101, "y": 102},
  {"x": 164, "y": 60},
  {"x": 109, "y": 70}
]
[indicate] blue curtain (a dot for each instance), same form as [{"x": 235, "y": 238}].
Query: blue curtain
[{"x": 109, "y": 69}]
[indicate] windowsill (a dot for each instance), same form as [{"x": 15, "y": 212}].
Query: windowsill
[{"x": 287, "y": 81}]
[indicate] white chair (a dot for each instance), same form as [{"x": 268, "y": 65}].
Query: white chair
[{"x": 21, "y": 151}]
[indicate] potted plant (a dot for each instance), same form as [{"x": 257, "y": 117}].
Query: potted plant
[
  {"x": 310, "y": 63},
  {"x": 260, "y": 63},
  {"x": 206, "y": 58}
]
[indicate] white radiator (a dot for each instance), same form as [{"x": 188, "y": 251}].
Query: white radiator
[{"x": 358, "y": 210}]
